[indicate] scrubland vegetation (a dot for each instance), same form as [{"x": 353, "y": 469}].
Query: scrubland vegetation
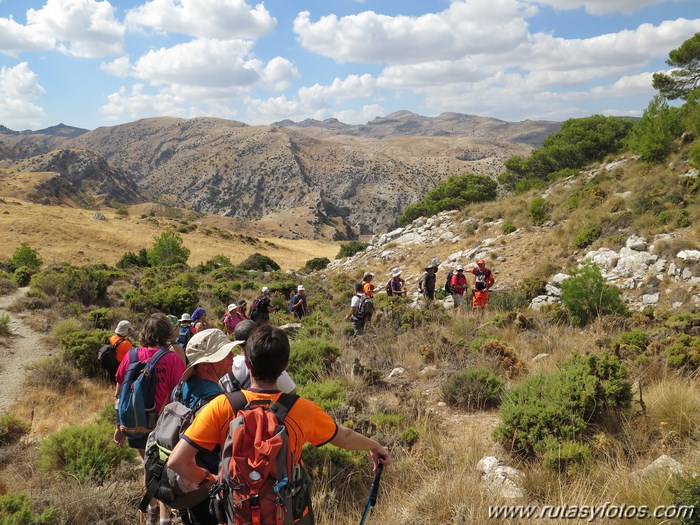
[{"x": 578, "y": 396}]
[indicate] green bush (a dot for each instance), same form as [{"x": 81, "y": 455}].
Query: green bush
[
  {"x": 80, "y": 349},
  {"x": 570, "y": 457},
  {"x": 70, "y": 284},
  {"x": 410, "y": 436},
  {"x": 452, "y": 194},
  {"x": 532, "y": 285},
  {"x": 12, "y": 429},
  {"x": 259, "y": 262},
  {"x": 7, "y": 285},
  {"x": 311, "y": 359},
  {"x": 586, "y": 295},
  {"x": 328, "y": 395},
  {"x": 134, "y": 260},
  {"x": 652, "y": 137},
  {"x": 16, "y": 509},
  {"x": 348, "y": 249},
  {"x": 5, "y": 324},
  {"x": 695, "y": 155},
  {"x": 84, "y": 452},
  {"x": 508, "y": 227},
  {"x": 686, "y": 493},
  {"x": 538, "y": 210},
  {"x": 218, "y": 261},
  {"x": 338, "y": 469},
  {"x": 168, "y": 250},
  {"x": 473, "y": 389},
  {"x": 100, "y": 317},
  {"x": 636, "y": 340},
  {"x": 26, "y": 256},
  {"x": 23, "y": 275},
  {"x": 586, "y": 235},
  {"x": 317, "y": 263},
  {"x": 683, "y": 351},
  {"x": 564, "y": 405},
  {"x": 54, "y": 372},
  {"x": 122, "y": 211},
  {"x": 173, "y": 298}
]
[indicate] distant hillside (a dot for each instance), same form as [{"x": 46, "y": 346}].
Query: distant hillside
[{"x": 315, "y": 180}]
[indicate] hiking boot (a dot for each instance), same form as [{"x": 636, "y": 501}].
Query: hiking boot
[{"x": 152, "y": 515}]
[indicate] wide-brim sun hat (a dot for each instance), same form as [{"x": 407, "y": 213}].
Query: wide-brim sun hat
[
  {"x": 232, "y": 307},
  {"x": 123, "y": 328},
  {"x": 185, "y": 318},
  {"x": 242, "y": 302},
  {"x": 207, "y": 346},
  {"x": 396, "y": 273},
  {"x": 367, "y": 274}
]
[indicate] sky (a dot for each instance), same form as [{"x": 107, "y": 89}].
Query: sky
[{"x": 90, "y": 63}]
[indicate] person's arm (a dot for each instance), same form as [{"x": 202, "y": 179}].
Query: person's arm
[
  {"x": 351, "y": 440},
  {"x": 175, "y": 347},
  {"x": 492, "y": 280},
  {"x": 182, "y": 461},
  {"x": 350, "y": 313}
]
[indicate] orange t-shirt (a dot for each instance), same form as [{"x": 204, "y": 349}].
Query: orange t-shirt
[
  {"x": 306, "y": 422},
  {"x": 123, "y": 347},
  {"x": 368, "y": 289}
]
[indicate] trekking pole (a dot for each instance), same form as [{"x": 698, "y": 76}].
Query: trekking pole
[{"x": 373, "y": 491}]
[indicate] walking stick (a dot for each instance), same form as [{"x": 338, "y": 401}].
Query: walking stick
[{"x": 373, "y": 491}]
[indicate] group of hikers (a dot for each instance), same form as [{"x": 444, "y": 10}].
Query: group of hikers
[{"x": 235, "y": 454}]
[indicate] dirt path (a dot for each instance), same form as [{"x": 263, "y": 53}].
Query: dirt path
[{"x": 22, "y": 347}]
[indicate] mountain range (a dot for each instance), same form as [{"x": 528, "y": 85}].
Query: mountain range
[{"x": 309, "y": 179}]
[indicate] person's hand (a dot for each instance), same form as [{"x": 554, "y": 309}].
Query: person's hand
[
  {"x": 118, "y": 436},
  {"x": 380, "y": 455}
]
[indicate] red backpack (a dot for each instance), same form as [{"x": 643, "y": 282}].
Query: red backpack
[{"x": 260, "y": 481}]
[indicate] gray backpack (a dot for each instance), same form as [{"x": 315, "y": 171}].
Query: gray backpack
[{"x": 162, "y": 482}]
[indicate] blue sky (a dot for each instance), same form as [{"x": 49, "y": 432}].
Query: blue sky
[{"x": 91, "y": 63}]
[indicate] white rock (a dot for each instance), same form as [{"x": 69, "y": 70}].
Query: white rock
[
  {"x": 686, "y": 274},
  {"x": 542, "y": 300},
  {"x": 650, "y": 299},
  {"x": 633, "y": 263},
  {"x": 636, "y": 243},
  {"x": 559, "y": 278},
  {"x": 689, "y": 255},
  {"x": 540, "y": 357},
  {"x": 605, "y": 258},
  {"x": 397, "y": 372},
  {"x": 442, "y": 404},
  {"x": 501, "y": 480},
  {"x": 663, "y": 465},
  {"x": 552, "y": 290}
]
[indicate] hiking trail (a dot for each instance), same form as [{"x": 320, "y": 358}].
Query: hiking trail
[{"x": 22, "y": 347}]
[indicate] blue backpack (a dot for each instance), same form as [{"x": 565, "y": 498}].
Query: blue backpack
[
  {"x": 183, "y": 336},
  {"x": 136, "y": 411}
]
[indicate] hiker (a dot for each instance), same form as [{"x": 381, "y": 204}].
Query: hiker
[
  {"x": 483, "y": 281},
  {"x": 239, "y": 375},
  {"x": 427, "y": 283},
  {"x": 262, "y": 307},
  {"x": 356, "y": 314},
  {"x": 396, "y": 285},
  {"x": 114, "y": 349},
  {"x": 199, "y": 320},
  {"x": 229, "y": 323},
  {"x": 367, "y": 286},
  {"x": 458, "y": 285},
  {"x": 210, "y": 357},
  {"x": 299, "y": 303},
  {"x": 184, "y": 332},
  {"x": 156, "y": 333},
  {"x": 267, "y": 355}
]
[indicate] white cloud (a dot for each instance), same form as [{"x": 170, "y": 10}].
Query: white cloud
[
  {"x": 223, "y": 19},
  {"x": 364, "y": 115},
  {"x": 278, "y": 74},
  {"x": 601, "y": 7},
  {"x": 19, "y": 86},
  {"x": 201, "y": 62},
  {"x": 83, "y": 28},
  {"x": 119, "y": 67},
  {"x": 137, "y": 103},
  {"x": 16, "y": 38},
  {"x": 465, "y": 27},
  {"x": 340, "y": 90}
]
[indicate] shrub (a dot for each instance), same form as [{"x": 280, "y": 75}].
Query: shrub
[
  {"x": 54, "y": 372},
  {"x": 683, "y": 351},
  {"x": 635, "y": 341},
  {"x": 100, "y": 318},
  {"x": 23, "y": 275},
  {"x": 69, "y": 284},
  {"x": 569, "y": 457},
  {"x": 586, "y": 295},
  {"x": 473, "y": 389},
  {"x": 348, "y": 249},
  {"x": 16, "y": 509},
  {"x": 7, "y": 285},
  {"x": 5, "y": 324},
  {"x": 586, "y": 235},
  {"x": 12, "y": 429},
  {"x": 84, "y": 452},
  {"x": 134, "y": 260},
  {"x": 327, "y": 394},
  {"x": 343, "y": 470},
  {"x": 653, "y": 136},
  {"x": 695, "y": 155},
  {"x": 538, "y": 210},
  {"x": 508, "y": 227},
  {"x": 173, "y": 298},
  {"x": 259, "y": 262},
  {"x": 80, "y": 349},
  {"x": 168, "y": 249},
  {"x": 686, "y": 493},
  {"x": 122, "y": 211},
  {"x": 564, "y": 405},
  {"x": 26, "y": 256},
  {"x": 410, "y": 436},
  {"x": 532, "y": 285},
  {"x": 311, "y": 359},
  {"x": 452, "y": 194},
  {"x": 218, "y": 261},
  {"x": 317, "y": 263}
]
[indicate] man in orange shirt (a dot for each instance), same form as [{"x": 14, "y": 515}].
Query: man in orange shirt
[
  {"x": 120, "y": 336},
  {"x": 267, "y": 355}
]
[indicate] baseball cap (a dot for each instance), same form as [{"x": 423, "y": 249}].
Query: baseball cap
[{"x": 300, "y": 288}]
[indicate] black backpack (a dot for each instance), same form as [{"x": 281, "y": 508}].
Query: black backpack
[
  {"x": 364, "y": 309},
  {"x": 107, "y": 357},
  {"x": 448, "y": 282},
  {"x": 255, "y": 308}
]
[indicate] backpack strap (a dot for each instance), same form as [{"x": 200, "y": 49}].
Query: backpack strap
[
  {"x": 237, "y": 400},
  {"x": 284, "y": 405}
]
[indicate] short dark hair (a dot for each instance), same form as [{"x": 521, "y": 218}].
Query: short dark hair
[
  {"x": 267, "y": 352},
  {"x": 243, "y": 329},
  {"x": 358, "y": 287},
  {"x": 156, "y": 331}
]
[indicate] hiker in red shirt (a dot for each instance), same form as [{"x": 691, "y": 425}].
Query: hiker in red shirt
[
  {"x": 458, "y": 285},
  {"x": 483, "y": 281}
]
